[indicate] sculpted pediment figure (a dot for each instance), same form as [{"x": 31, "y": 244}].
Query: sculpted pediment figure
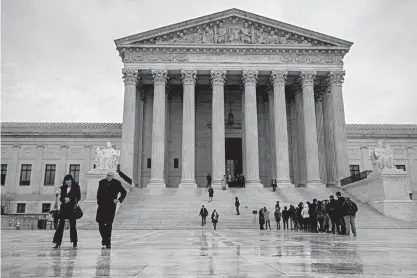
[{"x": 232, "y": 27}]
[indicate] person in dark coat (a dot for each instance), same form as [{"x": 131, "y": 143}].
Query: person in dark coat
[
  {"x": 203, "y": 214},
  {"x": 261, "y": 219},
  {"x": 274, "y": 184},
  {"x": 107, "y": 193},
  {"x": 333, "y": 214},
  {"x": 313, "y": 216},
  {"x": 340, "y": 202},
  {"x": 214, "y": 219},
  {"x": 237, "y": 205},
  {"x": 208, "y": 178},
  {"x": 211, "y": 193},
  {"x": 70, "y": 195}
]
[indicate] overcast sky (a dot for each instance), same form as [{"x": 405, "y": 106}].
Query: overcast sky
[{"x": 59, "y": 61}]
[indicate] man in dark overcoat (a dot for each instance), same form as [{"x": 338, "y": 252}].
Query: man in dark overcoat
[{"x": 107, "y": 193}]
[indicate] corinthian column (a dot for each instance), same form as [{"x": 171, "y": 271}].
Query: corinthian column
[
  {"x": 280, "y": 129},
  {"x": 318, "y": 96},
  {"x": 270, "y": 130},
  {"x": 329, "y": 138},
  {"x": 250, "y": 78},
  {"x": 310, "y": 131},
  {"x": 335, "y": 79},
  {"x": 188, "y": 129},
  {"x": 218, "y": 77},
  {"x": 158, "y": 129},
  {"x": 127, "y": 150}
]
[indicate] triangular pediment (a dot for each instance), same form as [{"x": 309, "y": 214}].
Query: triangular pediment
[{"x": 232, "y": 27}]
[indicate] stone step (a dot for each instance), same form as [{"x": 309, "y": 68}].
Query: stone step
[{"x": 173, "y": 208}]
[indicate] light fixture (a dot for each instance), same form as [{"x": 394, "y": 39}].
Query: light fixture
[{"x": 230, "y": 118}]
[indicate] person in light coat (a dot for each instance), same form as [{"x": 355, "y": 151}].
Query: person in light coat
[
  {"x": 306, "y": 217},
  {"x": 267, "y": 219}
]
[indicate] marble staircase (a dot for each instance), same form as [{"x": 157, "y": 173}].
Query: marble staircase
[{"x": 173, "y": 208}]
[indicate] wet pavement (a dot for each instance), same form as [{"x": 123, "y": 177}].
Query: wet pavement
[{"x": 204, "y": 252}]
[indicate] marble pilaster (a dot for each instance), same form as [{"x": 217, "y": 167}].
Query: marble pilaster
[
  {"x": 218, "y": 78},
  {"x": 12, "y": 171},
  {"x": 188, "y": 129},
  {"x": 250, "y": 78},
  {"x": 158, "y": 129},
  {"x": 320, "y": 132},
  {"x": 300, "y": 159},
  {"x": 280, "y": 129},
  {"x": 310, "y": 130},
  {"x": 130, "y": 77},
  {"x": 335, "y": 79},
  {"x": 294, "y": 142}
]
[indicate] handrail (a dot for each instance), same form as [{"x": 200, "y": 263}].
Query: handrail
[
  {"x": 124, "y": 176},
  {"x": 355, "y": 178}
]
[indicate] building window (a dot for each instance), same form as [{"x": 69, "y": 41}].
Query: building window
[
  {"x": 149, "y": 163},
  {"x": 401, "y": 167},
  {"x": 21, "y": 208},
  {"x": 354, "y": 169},
  {"x": 46, "y": 207},
  {"x": 3, "y": 174},
  {"x": 74, "y": 171},
  {"x": 176, "y": 162},
  {"x": 50, "y": 174},
  {"x": 25, "y": 174}
]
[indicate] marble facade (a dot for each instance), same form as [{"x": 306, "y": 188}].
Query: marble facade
[{"x": 282, "y": 83}]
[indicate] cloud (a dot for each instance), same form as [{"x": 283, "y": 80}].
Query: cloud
[{"x": 59, "y": 61}]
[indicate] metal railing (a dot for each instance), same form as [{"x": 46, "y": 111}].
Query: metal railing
[
  {"x": 124, "y": 176},
  {"x": 355, "y": 178}
]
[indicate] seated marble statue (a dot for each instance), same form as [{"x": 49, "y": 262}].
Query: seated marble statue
[
  {"x": 107, "y": 158},
  {"x": 382, "y": 157}
]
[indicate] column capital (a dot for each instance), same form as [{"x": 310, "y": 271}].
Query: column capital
[
  {"x": 218, "y": 77},
  {"x": 130, "y": 76},
  {"x": 307, "y": 77},
  {"x": 250, "y": 77},
  {"x": 296, "y": 87},
  {"x": 160, "y": 76},
  {"x": 140, "y": 89},
  {"x": 278, "y": 77},
  {"x": 319, "y": 91},
  {"x": 336, "y": 78},
  {"x": 188, "y": 76},
  {"x": 269, "y": 89}
]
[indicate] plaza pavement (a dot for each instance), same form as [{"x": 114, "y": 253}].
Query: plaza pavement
[{"x": 203, "y": 252}]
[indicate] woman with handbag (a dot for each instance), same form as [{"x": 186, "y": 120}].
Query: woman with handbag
[
  {"x": 214, "y": 219},
  {"x": 70, "y": 195}
]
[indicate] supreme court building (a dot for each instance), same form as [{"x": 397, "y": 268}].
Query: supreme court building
[
  {"x": 234, "y": 92},
  {"x": 231, "y": 92}
]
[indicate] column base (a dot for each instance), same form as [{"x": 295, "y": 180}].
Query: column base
[
  {"x": 156, "y": 184},
  {"x": 283, "y": 184},
  {"x": 315, "y": 184},
  {"x": 253, "y": 183},
  {"x": 187, "y": 184},
  {"x": 216, "y": 184}
]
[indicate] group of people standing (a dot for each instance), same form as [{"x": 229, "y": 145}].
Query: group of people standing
[
  {"x": 228, "y": 181},
  {"x": 325, "y": 216},
  {"x": 110, "y": 192}
]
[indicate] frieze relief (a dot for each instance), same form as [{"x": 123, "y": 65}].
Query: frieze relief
[
  {"x": 232, "y": 31},
  {"x": 198, "y": 58}
]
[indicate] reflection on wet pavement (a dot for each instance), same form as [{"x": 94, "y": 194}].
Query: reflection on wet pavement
[{"x": 197, "y": 253}]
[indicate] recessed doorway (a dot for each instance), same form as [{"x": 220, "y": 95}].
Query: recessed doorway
[{"x": 234, "y": 163}]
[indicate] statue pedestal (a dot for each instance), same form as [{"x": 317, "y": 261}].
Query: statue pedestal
[{"x": 386, "y": 190}]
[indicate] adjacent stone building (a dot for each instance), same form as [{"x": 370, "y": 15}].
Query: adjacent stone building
[{"x": 231, "y": 92}]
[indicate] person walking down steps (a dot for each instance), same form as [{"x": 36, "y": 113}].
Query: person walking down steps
[
  {"x": 237, "y": 205},
  {"x": 203, "y": 214},
  {"x": 214, "y": 219},
  {"x": 211, "y": 193}
]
